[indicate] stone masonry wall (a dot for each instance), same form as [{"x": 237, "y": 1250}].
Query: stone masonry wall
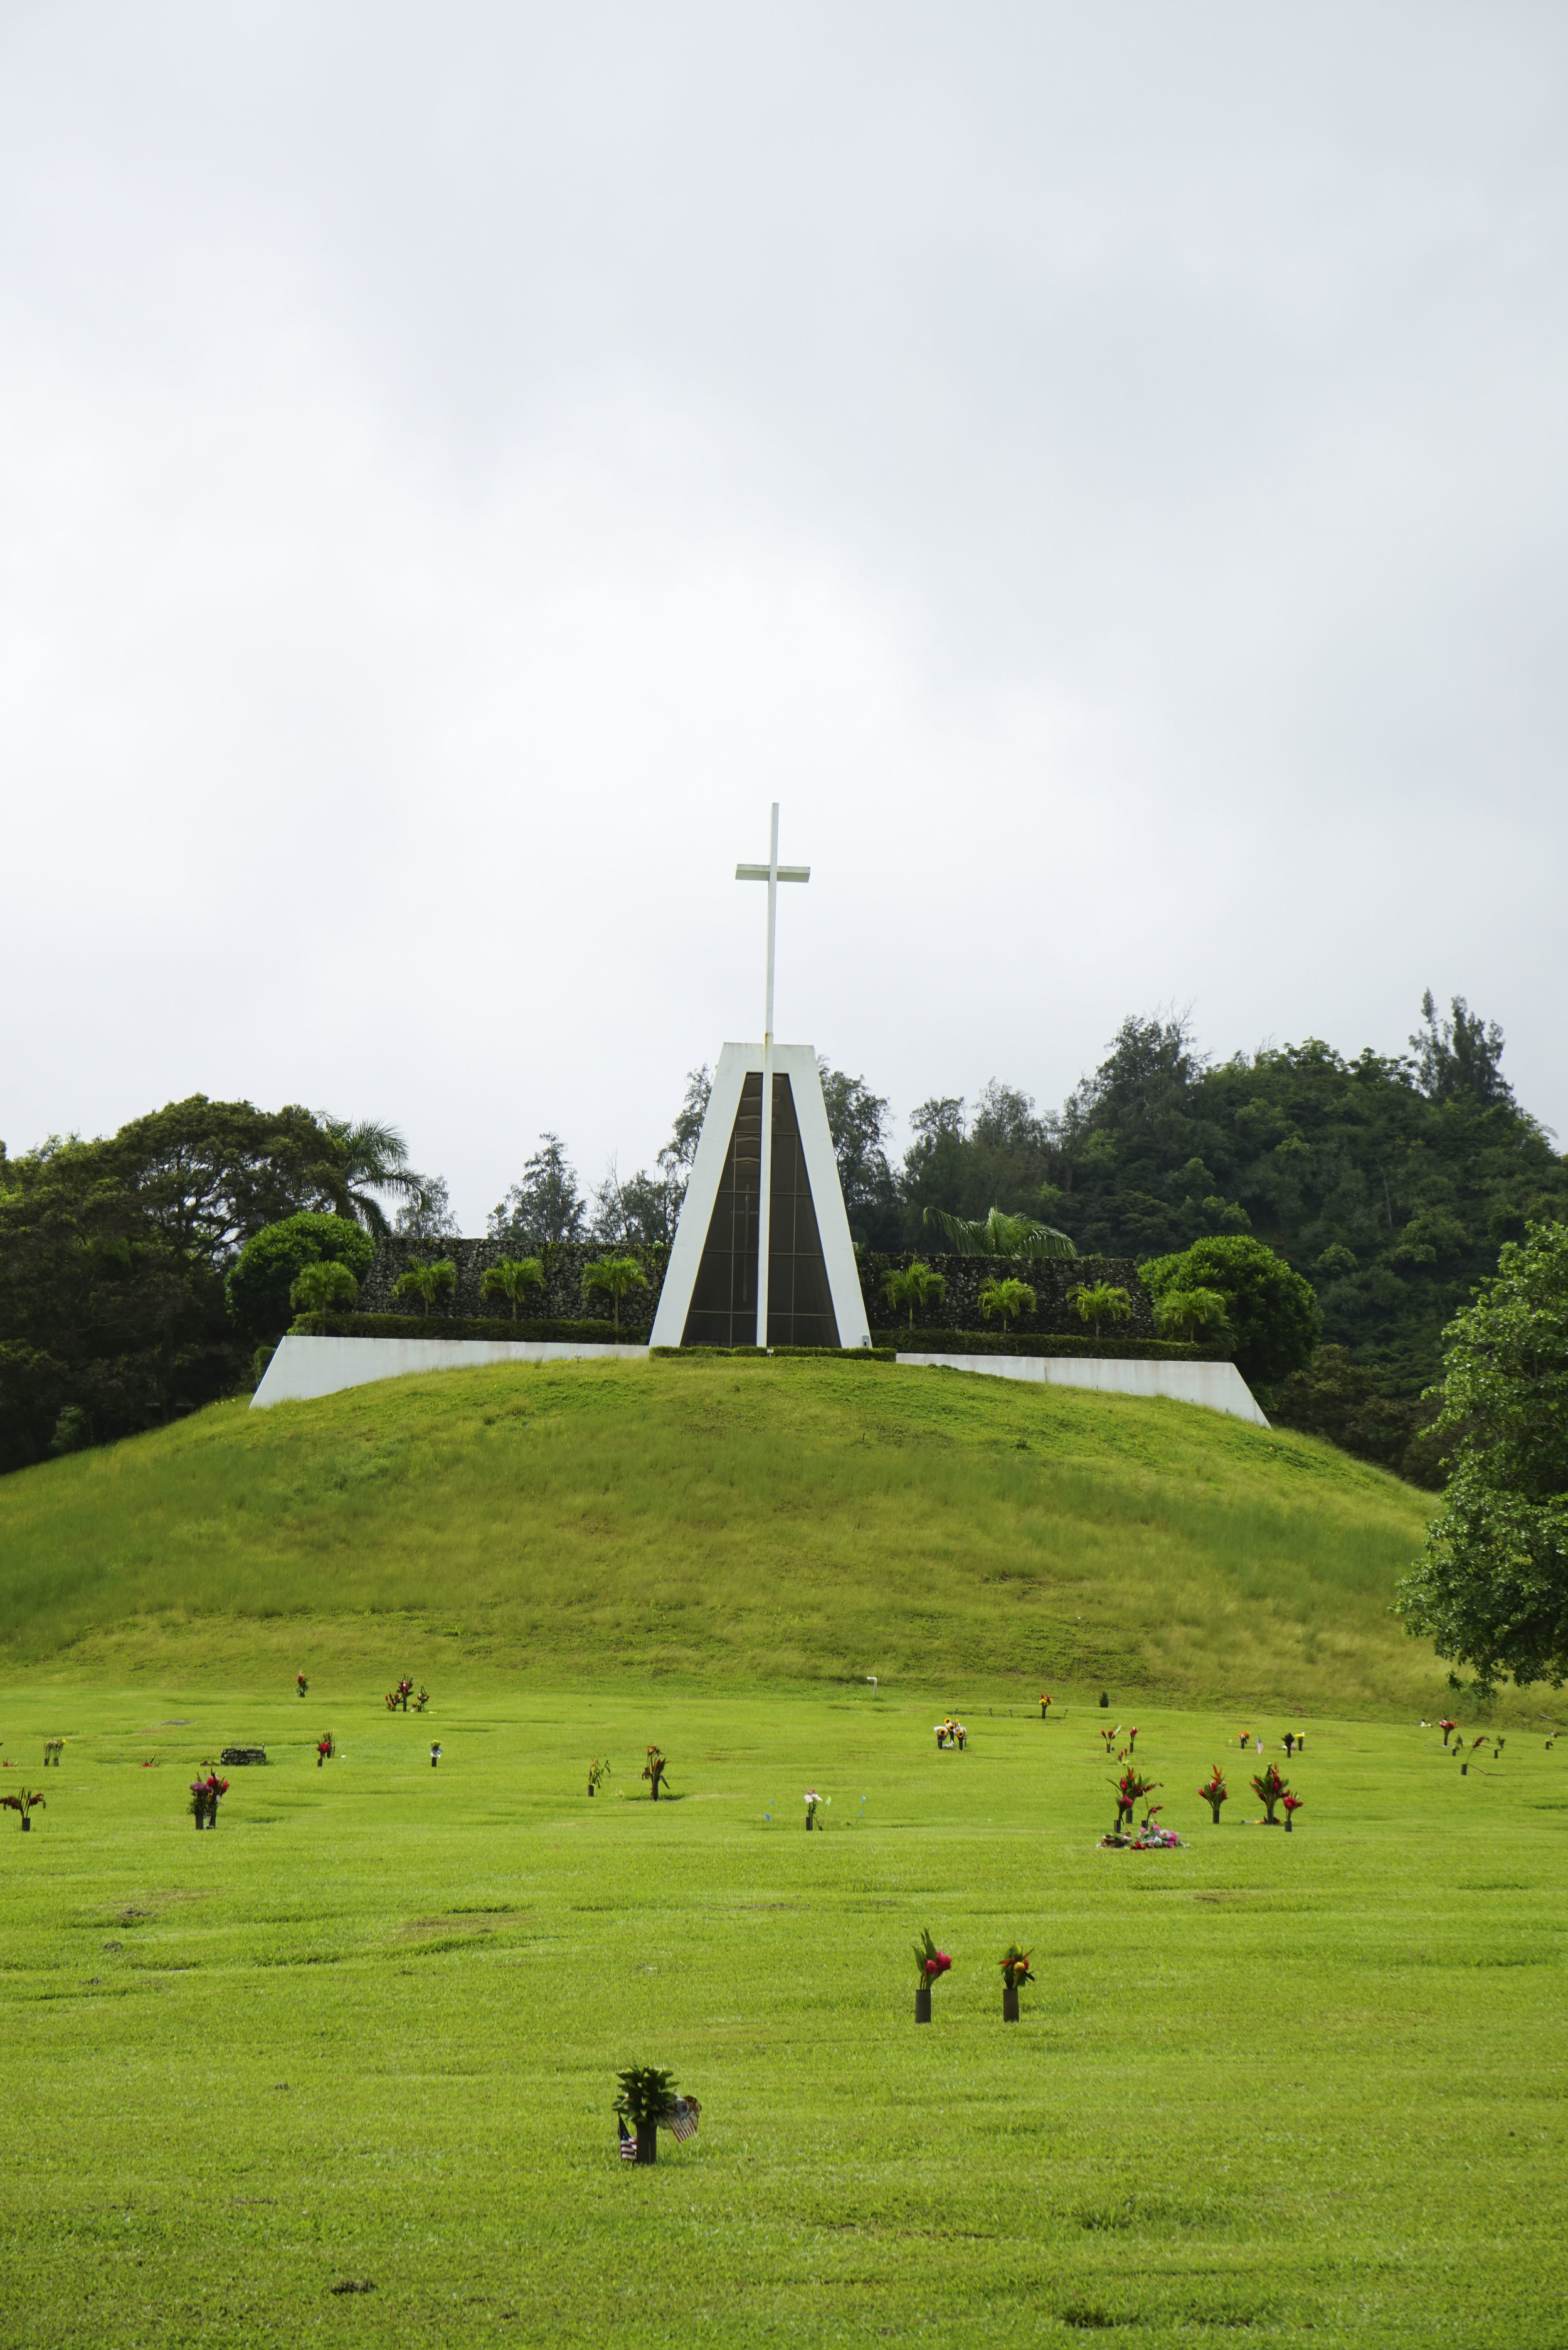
[{"x": 1049, "y": 1277}]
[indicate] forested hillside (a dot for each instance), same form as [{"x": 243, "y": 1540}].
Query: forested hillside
[{"x": 1389, "y": 1183}]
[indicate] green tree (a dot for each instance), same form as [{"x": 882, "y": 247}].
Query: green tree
[
  {"x": 1190, "y": 1313},
  {"x": 857, "y": 1119},
  {"x": 1268, "y": 1304},
  {"x": 426, "y": 1281},
  {"x": 1008, "y": 1299},
  {"x": 1490, "y": 1591},
  {"x": 614, "y": 1277},
  {"x": 372, "y": 1157},
  {"x": 912, "y": 1287},
  {"x": 1103, "y": 1301},
  {"x": 321, "y": 1287},
  {"x": 510, "y": 1277},
  {"x": 546, "y": 1206},
  {"x": 258, "y": 1287}
]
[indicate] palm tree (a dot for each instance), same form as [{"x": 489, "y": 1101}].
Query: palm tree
[
  {"x": 510, "y": 1276},
  {"x": 372, "y": 1157},
  {"x": 1191, "y": 1313},
  {"x": 425, "y": 1282},
  {"x": 321, "y": 1286},
  {"x": 1000, "y": 1235},
  {"x": 613, "y": 1277},
  {"x": 912, "y": 1287},
  {"x": 1008, "y": 1298},
  {"x": 1103, "y": 1303}
]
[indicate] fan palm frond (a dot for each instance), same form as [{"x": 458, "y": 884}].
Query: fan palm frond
[{"x": 998, "y": 1234}]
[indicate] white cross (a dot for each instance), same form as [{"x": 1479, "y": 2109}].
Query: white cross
[{"x": 772, "y": 873}]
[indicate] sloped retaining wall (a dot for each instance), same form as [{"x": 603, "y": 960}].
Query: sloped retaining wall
[{"x": 1218, "y": 1386}]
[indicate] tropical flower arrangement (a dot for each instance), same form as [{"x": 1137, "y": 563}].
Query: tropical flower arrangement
[
  {"x": 400, "y": 1696},
  {"x": 300, "y": 1683},
  {"x": 1448, "y": 1729},
  {"x": 646, "y": 2096},
  {"x": 422, "y": 1699},
  {"x": 1015, "y": 1964},
  {"x": 1292, "y": 1804},
  {"x": 1131, "y": 1788},
  {"x": 55, "y": 1747},
  {"x": 205, "y": 1796},
  {"x": 932, "y": 1965},
  {"x": 598, "y": 1772},
  {"x": 654, "y": 1771},
  {"x": 435, "y": 1753},
  {"x": 811, "y": 1800},
  {"x": 26, "y": 1804},
  {"x": 1269, "y": 1787},
  {"x": 1045, "y": 1705},
  {"x": 1214, "y": 1792},
  {"x": 324, "y": 1749}
]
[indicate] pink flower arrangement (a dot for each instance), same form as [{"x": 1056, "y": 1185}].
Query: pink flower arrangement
[{"x": 933, "y": 1964}]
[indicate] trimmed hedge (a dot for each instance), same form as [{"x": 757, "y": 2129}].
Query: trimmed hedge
[
  {"x": 459, "y": 1325},
  {"x": 771, "y": 1353},
  {"x": 1032, "y": 1341}
]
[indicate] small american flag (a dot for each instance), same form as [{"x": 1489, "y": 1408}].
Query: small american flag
[
  {"x": 628, "y": 2143},
  {"x": 684, "y": 2117}
]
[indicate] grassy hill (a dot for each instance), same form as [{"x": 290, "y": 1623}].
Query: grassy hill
[{"x": 786, "y": 1522}]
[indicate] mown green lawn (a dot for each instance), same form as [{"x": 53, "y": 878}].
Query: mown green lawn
[{"x": 1302, "y": 2090}]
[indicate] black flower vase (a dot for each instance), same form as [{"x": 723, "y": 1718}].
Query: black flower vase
[
  {"x": 647, "y": 2141},
  {"x": 1009, "y": 2005},
  {"x": 27, "y": 1824},
  {"x": 923, "y": 2003}
]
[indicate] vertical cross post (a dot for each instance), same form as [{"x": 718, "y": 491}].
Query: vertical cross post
[{"x": 772, "y": 873}]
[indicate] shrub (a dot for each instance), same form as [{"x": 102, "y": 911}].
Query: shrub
[
  {"x": 613, "y": 1277},
  {"x": 1103, "y": 1303},
  {"x": 1189, "y": 1313},
  {"x": 272, "y": 1260},
  {"x": 1269, "y": 1307}
]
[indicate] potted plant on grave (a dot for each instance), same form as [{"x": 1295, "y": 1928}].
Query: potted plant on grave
[
  {"x": 1110, "y": 1737},
  {"x": 597, "y": 1774},
  {"x": 1214, "y": 1792},
  {"x": 1465, "y": 1766},
  {"x": 1268, "y": 1786},
  {"x": 300, "y": 1683},
  {"x": 654, "y": 1770},
  {"x": 26, "y": 1805},
  {"x": 510, "y": 1277},
  {"x": 647, "y": 2096},
  {"x": 932, "y": 1965},
  {"x": 400, "y": 1696},
  {"x": 423, "y": 1698},
  {"x": 205, "y": 1796},
  {"x": 913, "y": 1288},
  {"x": 55, "y": 1747},
  {"x": 1448, "y": 1729},
  {"x": 1015, "y": 1973},
  {"x": 1292, "y": 1804},
  {"x": 1131, "y": 1788},
  {"x": 811, "y": 1800},
  {"x": 1009, "y": 1299},
  {"x": 614, "y": 1277},
  {"x": 324, "y": 1749},
  {"x": 1045, "y": 1705}
]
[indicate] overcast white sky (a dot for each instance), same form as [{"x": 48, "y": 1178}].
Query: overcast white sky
[{"x": 1103, "y": 469}]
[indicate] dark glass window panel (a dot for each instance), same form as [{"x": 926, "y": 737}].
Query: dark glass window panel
[
  {"x": 723, "y": 1309},
  {"x": 800, "y": 1304}
]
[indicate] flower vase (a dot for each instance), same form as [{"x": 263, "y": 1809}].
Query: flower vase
[
  {"x": 1009, "y": 2005},
  {"x": 648, "y": 2142},
  {"x": 1287, "y": 1822},
  {"x": 808, "y": 1823},
  {"x": 923, "y": 2005},
  {"x": 201, "y": 1822},
  {"x": 27, "y": 1824},
  {"x": 1464, "y": 1770}
]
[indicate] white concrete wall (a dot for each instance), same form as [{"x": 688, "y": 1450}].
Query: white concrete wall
[
  {"x": 304, "y": 1368},
  {"x": 1218, "y": 1386}
]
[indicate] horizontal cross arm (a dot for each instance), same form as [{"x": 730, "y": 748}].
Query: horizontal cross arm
[{"x": 763, "y": 872}]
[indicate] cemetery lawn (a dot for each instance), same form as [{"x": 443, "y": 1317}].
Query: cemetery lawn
[{"x": 1303, "y": 2090}]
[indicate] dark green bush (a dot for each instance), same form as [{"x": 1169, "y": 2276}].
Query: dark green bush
[
  {"x": 272, "y": 1260},
  {"x": 459, "y": 1325},
  {"x": 1032, "y": 1341}
]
